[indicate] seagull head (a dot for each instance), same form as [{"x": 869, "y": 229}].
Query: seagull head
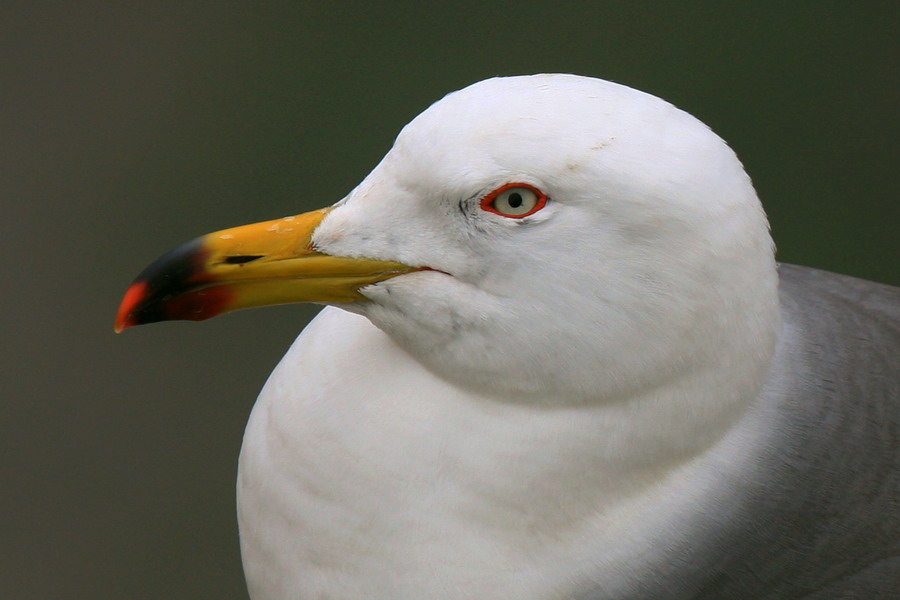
[{"x": 548, "y": 237}]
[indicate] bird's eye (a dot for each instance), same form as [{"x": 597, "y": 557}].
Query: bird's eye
[{"x": 514, "y": 200}]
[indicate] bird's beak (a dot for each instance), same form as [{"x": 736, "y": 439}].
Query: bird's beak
[{"x": 254, "y": 265}]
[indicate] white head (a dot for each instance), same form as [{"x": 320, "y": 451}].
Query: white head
[{"x": 650, "y": 262}]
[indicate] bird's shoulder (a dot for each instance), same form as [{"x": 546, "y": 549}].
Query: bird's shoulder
[{"x": 841, "y": 293}]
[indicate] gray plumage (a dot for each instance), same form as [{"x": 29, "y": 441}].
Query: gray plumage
[{"x": 819, "y": 516}]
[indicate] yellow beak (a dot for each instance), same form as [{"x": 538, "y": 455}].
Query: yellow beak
[{"x": 254, "y": 265}]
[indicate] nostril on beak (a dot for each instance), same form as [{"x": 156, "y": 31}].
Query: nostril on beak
[{"x": 239, "y": 260}]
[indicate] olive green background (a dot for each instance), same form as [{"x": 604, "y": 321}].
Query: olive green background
[{"x": 127, "y": 128}]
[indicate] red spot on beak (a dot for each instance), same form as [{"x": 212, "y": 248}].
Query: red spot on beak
[
  {"x": 133, "y": 297},
  {"x": 198, "y": 305}
]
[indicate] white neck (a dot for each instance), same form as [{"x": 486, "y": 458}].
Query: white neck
[{"x": 484, "y": 488}]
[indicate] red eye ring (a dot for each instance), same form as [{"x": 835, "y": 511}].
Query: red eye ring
[{"x": 488, "y": 202}]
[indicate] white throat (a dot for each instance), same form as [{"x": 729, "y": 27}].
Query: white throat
[{"x": 458, "y": 493}]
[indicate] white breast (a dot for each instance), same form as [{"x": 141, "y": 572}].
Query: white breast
[{"x": 362, "y": 475}]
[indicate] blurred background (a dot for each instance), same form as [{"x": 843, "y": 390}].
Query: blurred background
[{"x": 128, "y": 128}]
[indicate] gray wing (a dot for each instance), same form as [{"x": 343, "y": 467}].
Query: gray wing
[
  {"x": 818, "y": 517},
  {"x": 830, "y": 510}
]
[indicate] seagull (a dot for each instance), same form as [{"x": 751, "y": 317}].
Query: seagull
[{"x": 558, "y": 362}]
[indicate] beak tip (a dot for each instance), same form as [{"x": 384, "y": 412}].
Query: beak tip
[{"x": 134, "y": 296}]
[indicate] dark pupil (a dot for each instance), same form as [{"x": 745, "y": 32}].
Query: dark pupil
[{"x": 515, "y": 200}]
